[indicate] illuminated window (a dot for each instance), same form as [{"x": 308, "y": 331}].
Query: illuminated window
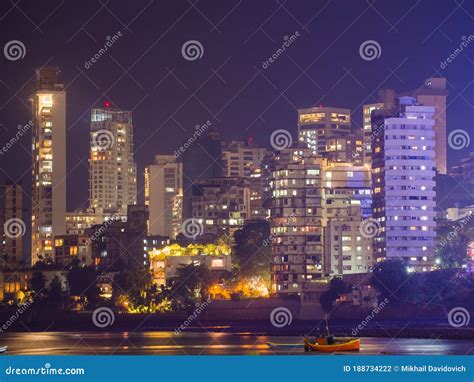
[{"x": 217, "y": 263}]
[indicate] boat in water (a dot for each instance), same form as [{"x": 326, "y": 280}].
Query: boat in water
[
  {"x": 3, "y": 349},
  {"x": 332, "y": 344}
]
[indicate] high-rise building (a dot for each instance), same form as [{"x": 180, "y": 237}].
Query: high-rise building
[
  {"x": 221, "y": 205},
  {"x": 296, "y": 213},
  {"x": 318, "y": 124},
  {"x": 112, "y": 169},
  {"x": 403, "y": 184},
  {"x": 164, "y": 196},
  {"x": 347, "y": 202},
  {"x": 349, "y": 149},
  {"x": 433, "y": 93},
  {"x": 367, "y": 129},
  {"x": 240, "y": 158},
  {"x": 317, "y": 207},
  {"x": 12, "y": 225},
  {"x": 49, "y": 163}
]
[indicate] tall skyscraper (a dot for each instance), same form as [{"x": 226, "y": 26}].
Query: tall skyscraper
[
  {"x": 318, "y": 124},
  {"x": 112, "y": 169},
  {"x": 403, "y": 184},
  {"x": 164, "y": 196},
  {"x": 296, "y": 215},
  {"x": 12, "y": 225},
  {"x": 48, "y": 104},
  {"x": 433, "y": 93}
]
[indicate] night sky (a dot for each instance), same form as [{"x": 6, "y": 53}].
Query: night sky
[{"x": 145, "y": 71}]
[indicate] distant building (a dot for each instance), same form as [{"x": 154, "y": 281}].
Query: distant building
[
  {"x": 367, "y": 129},
  {"x": 166, "y": 261},
  {"x": 317, "y": 207},
  {"x": 117, "y": 244},
  {"x": 296, "y": 222},
  {"x": 346, "y": 149},
  {"x": 112, "y": 169},
  {"x": 241, "y": 158},
  {"x": 11, "y": 214},
  {"x": 164, "y": 196},
  {"x": 69, "y": 247},
  {"x": 347, "y": 203},
  {"x": 433, "y": 93},
  {"x": 403, "y": 185},
  {"x": 319, "y": 124},
  {"x": 48, "y": 210},
  {"x": 221, "y": 205},
  {"x": 465, "y": 170}
]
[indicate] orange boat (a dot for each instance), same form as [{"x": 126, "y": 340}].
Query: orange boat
[{"x": 340, "y": 344}]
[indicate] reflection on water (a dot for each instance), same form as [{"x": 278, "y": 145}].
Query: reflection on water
[{"x": 161, "y": 343}]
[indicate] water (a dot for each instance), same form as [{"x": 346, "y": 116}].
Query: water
[{"x": 210, "y": 343}]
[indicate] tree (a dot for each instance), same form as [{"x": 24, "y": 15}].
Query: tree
[
  {"x": 82, "y": 282},
  {"x": 453, "y": 254},
  {"x": 252, "y": 249},
  {"x": 191, "y": 285},
  {"x": 135, "y": 291},
  {"x": 37, "y": 284},
  {"x": 337, "y": 286},
  {"x": 54, "y": 294},
  {"x": 390, "y": 278}
]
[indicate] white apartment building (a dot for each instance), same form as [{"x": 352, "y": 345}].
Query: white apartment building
[
  {"x": 164, "y": 196},
  {"x": 112, "y": 170},
  {"x": 403, "y": 170},
  {"x": 48, "y": 209}
]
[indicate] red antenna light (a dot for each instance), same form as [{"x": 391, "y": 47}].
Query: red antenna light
[{"x": 107, "y": 104}]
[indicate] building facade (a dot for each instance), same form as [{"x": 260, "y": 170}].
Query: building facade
[
  {"x": 221, "y": 205},
  {"x": 296, "y": 222},
  {"x": 403, "y": 185},
  {"x": 13, "y": 226},
  {"x": 112, "y": 169},
  {"x": 164, "y": 196},
  {"x": 367, "y": 129},
  {"x": 318, "y": 124},
  {"x": 48, "y": 211}
]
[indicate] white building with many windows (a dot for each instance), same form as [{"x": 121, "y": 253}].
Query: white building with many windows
[{"x": 403, "y": 170}]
